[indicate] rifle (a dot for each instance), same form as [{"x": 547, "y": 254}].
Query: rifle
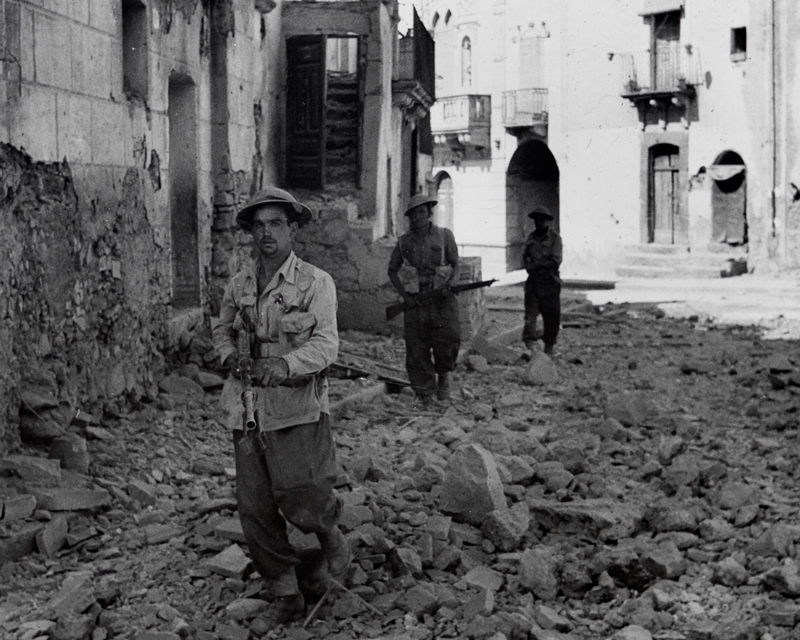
[
  {"x": 246, "y": 373},
  {"x": 422, "y": 299}
]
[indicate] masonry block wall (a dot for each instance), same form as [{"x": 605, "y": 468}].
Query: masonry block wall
[{"x": 100, "y": 150}]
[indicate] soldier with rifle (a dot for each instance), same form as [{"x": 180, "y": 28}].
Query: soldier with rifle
[
  {"x": 277, "y": 335},
  {"x": 422, "y": 267}
]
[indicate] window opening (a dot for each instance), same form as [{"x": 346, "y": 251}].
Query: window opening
[
  {"x": 134, "y": 48},
  {"x": 466, "y": 62},
  {"x": 739, "y": 43}
]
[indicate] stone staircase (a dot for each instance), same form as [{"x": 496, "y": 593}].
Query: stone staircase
[{"x": 677, "y": 261}]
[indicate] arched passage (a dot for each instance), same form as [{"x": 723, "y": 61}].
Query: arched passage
[
  {"x": 728, "y": 199},
  {"x": 443, "y": 213},
  {"x": 531, "y": 180}
]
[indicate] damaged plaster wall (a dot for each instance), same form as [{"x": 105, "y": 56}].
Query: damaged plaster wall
[
  {"x": 87, "y": 269},
  {"x": 83, "y": 298}
]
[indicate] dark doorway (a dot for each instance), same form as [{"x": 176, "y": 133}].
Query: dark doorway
[
  {"x": 183, "y": 192},
  {"x": 664, "y": 204},
  {"x": 532, "y": 180},
  {"x": 728, "y": 199}
]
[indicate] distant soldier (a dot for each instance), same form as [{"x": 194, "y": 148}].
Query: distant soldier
[
  {"x": 426, "y": 260},
  {"x": 277, "y": 334},
  {"x": 542, "y": 259}
]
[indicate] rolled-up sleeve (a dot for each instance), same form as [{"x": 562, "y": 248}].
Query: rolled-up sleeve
[
  {"x": 322, "y": 348},
  {"x": 222, "y": 327},
  {"x": 396, "y": 259}
]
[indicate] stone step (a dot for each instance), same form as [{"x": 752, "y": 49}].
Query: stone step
[
  {"x": 642, "y": 271},
  {"x": 717, "y": 260},
  {"x": 653, "y": 247}
]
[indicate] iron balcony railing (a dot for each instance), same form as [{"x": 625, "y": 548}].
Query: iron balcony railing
[
  {"x": 524, "y": 107},
  {"x": 671, "y": 69},
  {"x": 460, "y": 114}
]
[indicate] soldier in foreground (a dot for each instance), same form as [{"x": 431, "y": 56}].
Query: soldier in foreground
[
  {"x": 277, "y": 334},
  {"x": 425, "y": 260},
  {"x": 542, "y": 259}
]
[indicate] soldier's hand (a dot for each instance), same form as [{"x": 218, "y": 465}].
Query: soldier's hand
[
  {"x": 270, "y": 372},
  {"x": 445, "y": 292},
  {"x": 232, "y": 365}
]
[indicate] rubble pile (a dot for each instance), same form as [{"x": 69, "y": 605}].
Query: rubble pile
[{"x": 646, "y": 491}]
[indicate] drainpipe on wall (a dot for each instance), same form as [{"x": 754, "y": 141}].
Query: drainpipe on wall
[{"x": 773, "y": 116}]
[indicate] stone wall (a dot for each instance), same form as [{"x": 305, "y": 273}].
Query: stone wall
[{"x": 83, "y": 298}]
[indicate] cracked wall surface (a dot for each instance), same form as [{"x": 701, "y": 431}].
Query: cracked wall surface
[{"x": 83, "y": 300}]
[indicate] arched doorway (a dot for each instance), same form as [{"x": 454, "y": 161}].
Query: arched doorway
[
  {"x": 728, "y": 199},
  {"x": 531, "y": 180},
  {"x": 443, "y": 213},
  {"x": 664, "y": 202}
]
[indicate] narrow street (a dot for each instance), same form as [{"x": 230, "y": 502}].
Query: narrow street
[{"x": 649, "y": 492}]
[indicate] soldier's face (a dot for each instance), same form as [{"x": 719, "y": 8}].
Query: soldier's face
[
  {"x": 272, "y": 232},
  {"x": 420, "y": 216}
]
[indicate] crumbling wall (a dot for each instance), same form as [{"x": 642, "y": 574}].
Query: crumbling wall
[{"x": 83, "y": 295}]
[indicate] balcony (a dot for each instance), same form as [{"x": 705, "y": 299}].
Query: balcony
[
  {"x": 413, "y": 87},
  {"x": 524, "y": 109},
  {"x": 672, "y": 71},
  {"x": 461, "y": 128}
]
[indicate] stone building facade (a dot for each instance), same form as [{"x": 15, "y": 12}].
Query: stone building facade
[
  {"x": 130, "y": 133},
  {"x": 659, "y": 131}
]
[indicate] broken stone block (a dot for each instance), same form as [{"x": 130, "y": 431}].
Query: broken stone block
[
  {"x": 606, "y": 519},
  {"x": 541, "y": 370},
  {"x": 472, "y": 486},
  {"x": 548, "y": 618},
  {"x": 506, "y": 527},
  {"x": 781, "y": 614},
  {"x": 481, "y": 604},
  {"x": 230, "y": 529},
  {"x": 180, "y": 386},
  {"x": 209, "y": 380},
  {"x": 406, "y": 561},
  {"x": 520, "y": 472},
  {"x": 53, "y": 536},
  {"x": 32, "y": 468},
  {"x": 160, "y": 533},
  {"x": 730, "y": 573},
  {"x": 775, "y": 542},
  {"x": 142, "y": 492},
  {"x": 246, "y": 608},
  {"x": 478, "y": 364},
  {"x": 19, "y": 543},
  {"x": 484, "y": 578},
  {"x": 734, "y": 495},
  {"x": 539, "y": 572},
  {"x": 227, "y": 632},
  {"x": 204, "y": 507},
  {"x": 632, "y": 632},
  {"x": 630, "y": 409},
  {"x": 779, "y": 363},
  {"x": 44, "y": 425},
  {"x": 746, "y": 515},
  {"x": 75, "y": 596},
  {"x": 72, "y": 499},
  {"x": 664, "y": 561},
  {"x": 494, "y": 352},
  {"x": 784, "y": 579},
  {"x": 231, "y": 563},
  {"x": 612, "y": 429},
  {"x": 418, "y": 600},
  {"x": 448, "y": 557},
  {"x": 71, "y": 452},
  {"x": 714, "y": 529},
  {"x": 17, "y": 507},
  {"x": 37, "y": 395},
  {"x": 439, "y": 526}
]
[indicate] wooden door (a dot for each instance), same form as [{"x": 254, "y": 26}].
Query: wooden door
[
  {"x": 729, "y": 210},
  {"x": 305, "y": 112},
  {"x": 665, "y": 57},
  {"x": 664, "y": 204}
]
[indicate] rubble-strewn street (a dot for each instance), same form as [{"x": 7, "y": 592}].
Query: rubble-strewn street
[{"x": 642, "y": 488}]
